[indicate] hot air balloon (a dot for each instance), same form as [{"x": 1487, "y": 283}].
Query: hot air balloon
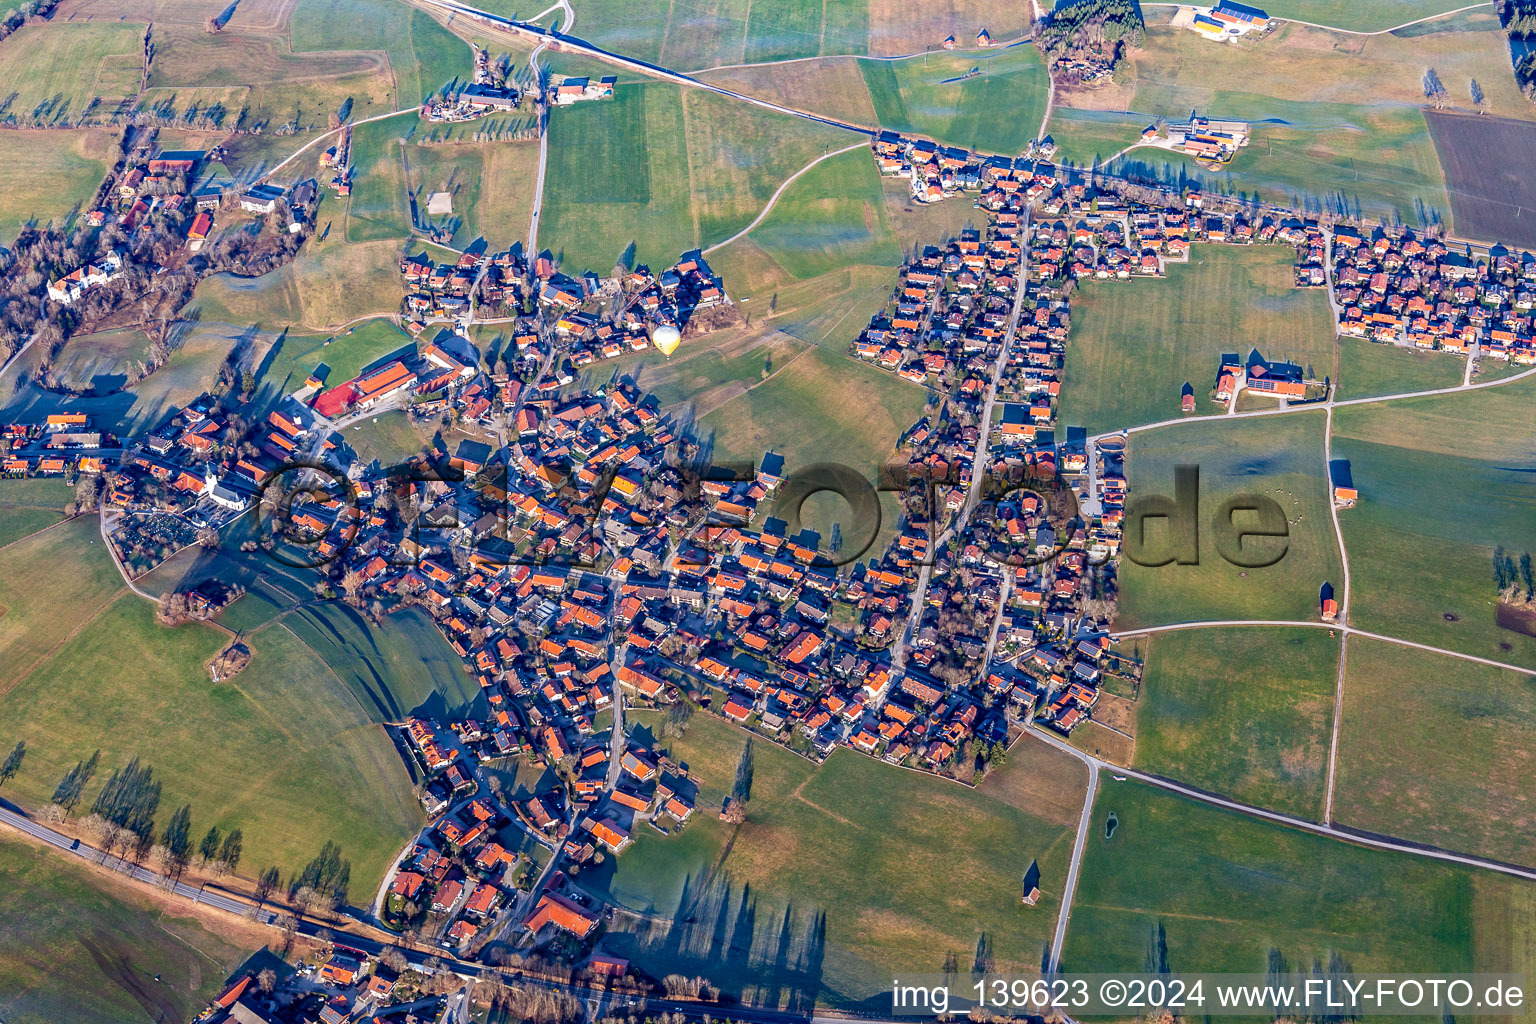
[{"x": 667, "y": 339}]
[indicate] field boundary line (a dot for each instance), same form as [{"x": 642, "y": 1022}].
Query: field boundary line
[
  {"x": 35, "y": 533},
  {"x": 777, "y": 193},
  {"x": 893, "y": 59},
  {"x": 1333, "y": 744},
  {"x": 1312, "y": 624},
  {"x": 1315, "y": 406},
  {"x": 1355, "y": 31},
  {"x": 1342, "y": 833},
  {"x": 109, "y": 602}
]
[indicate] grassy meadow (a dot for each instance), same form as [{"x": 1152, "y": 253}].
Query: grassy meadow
[
  {"x": 822, "y": 407},
  {"x": 65, "y": 568},
  {"x": 707, "y": 33},
  {"x": 107, "y": 355},
  {"x": 424, "y": 57},
  {"x": 82, "y": 945},
  {"x": 27, "y": 506},
  {"x": 1085, "y": 138},
  {"x": 331, "y": 282},
  {"x": 1221, "y": 891},
  {"x": 1246, "y": 713},
  {"x": 1360, "y": 15},
  {"x": 1278, "y": 457},
  {"x": 829, "y": 886},
  {"x": 403, "y": 669},
  {"x": 389, "y": 438},
  {"x": 1336, "y": 119},
  {"x": 491, "y": 183},
  {"x": 295, "y": 750},
  {"x": 379, "y": 207},
  {"x": 71, "y": 73},
  {"x": 1135, "y": 343},
  {"x": 250, "y": 73},
  {"x": 192, "y": 369},
  {"x": 1422, "y": 569},
  {"x": 47, "y": 176},
  {"x": 665, "y": 170},
  {"x": 1368, "y": 369},
  {"x": 996, "y": 111},
  {"x": 295, "y": 746},
  {"x": 1437, "y": 750},
  {"x": 292, "y": 358},
  {"x": 831, "y": 86},
  {"x": 832, "y": 216}
]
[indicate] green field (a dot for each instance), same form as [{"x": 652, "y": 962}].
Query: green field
[
  {"x": 330, "y": 283},
  {"x": 1277, "y": 457},
  {"x": 1088, "y": 137},
  {"x": 831, "y": 86},
  {"x": 707, "y": 33},
  {"x": 423, "y": 56},
  {"x": 1437, "y": 750},
  {"x": 389, "y": 437},
  {"x": 294, "y": 748},
  {"x": 272, "y": 587},
  {"x": 1223, "y": 890},
  {"x": 1336, "y": 120},
  {"x": 492, "y": 185},
  {"x": 246, "y": 74},
  {"x": 292, "y": 358},
  {"x": 66, "y": 568},
  {"x": 27, "y": 506},
  {"x": 998, "y": 111},
  {"x": 379, "y": 207},
  {"x": 1371, "y": 163},
  {"x": 829, "y": 886},
  {"x": 1367, "y": 369},
  {"x": 709, "y": 371},
  {"x": 1134, "y": 344},
  {"x": 294, "y": 745},
  {"x": 85, "y": 947},
  {"x": 832, "y": 216},
  {"x": 665, "y": 170},
  {"x": 822, "y": 407},
  {"x": 1423, "y": 570},
  {"x": 401, "y": 669},
  {"x": 67, "y": 74},
  {"x": 1360, "y": 15},
  {"x": 1241, "y": 712},
  {"x": 46, "y": 176},
  {"x": 108, "y": 355}
]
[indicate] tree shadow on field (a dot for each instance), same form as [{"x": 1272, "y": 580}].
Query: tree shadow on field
[{"x": 720, "y": 932}]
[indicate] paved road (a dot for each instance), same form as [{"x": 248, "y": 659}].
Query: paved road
[
  {"x": 1084, "y": 822},
  {"x": 325, "y": 135},
  {"x": 1357, "y": 32},
  {"x": 978, "y": 464},
  {"x": 571, "y": 44},
  {"x": 1333, "y": 832},
  {"x": 142, "y": 874},
  {"x": 538, "y": 182},
  {"x": 1343, "y": 618},
  {"x": 1295, "y": 409},
  {"x": 16, "y": 356},
  {"x": 1314, "y": 624},
  {"x": 780, "y": 191}
]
